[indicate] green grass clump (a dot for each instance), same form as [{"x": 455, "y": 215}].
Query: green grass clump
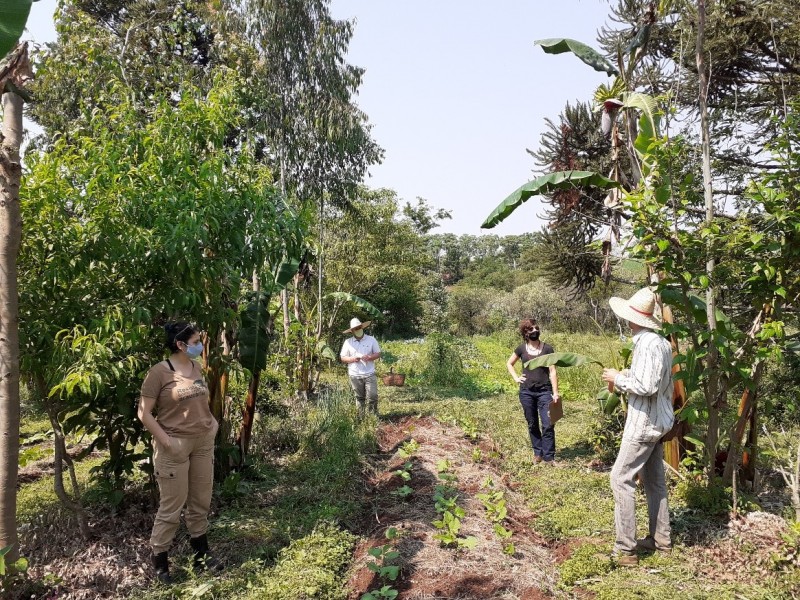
[
  {"x": 311, "y": 567},
  {"x": 585, "y": 562}
]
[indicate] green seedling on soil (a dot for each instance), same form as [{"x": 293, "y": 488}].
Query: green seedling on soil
[
  {"x": 403, "y": 492},
  {"x": 403, "y": 474},
  {"x": 470, "y": 427},
  {"x": 495, "y": 504},
  {"x": 443, "y": 466},
  {"x": 409, "y": 448},
  {"x": 386, "y": 591},
  {"x": 477, "y": 455}
]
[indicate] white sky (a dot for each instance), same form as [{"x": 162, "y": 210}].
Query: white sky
[{"x": 456, "y": 92}]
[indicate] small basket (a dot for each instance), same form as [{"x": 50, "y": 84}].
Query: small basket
[{"x": 395, "y": 379}]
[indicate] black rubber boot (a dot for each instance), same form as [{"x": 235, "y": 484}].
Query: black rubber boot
[
  {"x": 161, "y": 565},
  {"x": 202, "y": 559}
]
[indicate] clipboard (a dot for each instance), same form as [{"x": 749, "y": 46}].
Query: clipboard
[{"x": 555, "y": 410}]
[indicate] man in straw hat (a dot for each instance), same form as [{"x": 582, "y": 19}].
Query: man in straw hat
[
  {"x": 648, "y": 385},
  {"x": 359, "y": 353}
]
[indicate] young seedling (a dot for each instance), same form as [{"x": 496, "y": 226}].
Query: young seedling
[
  {"x": 383, "y": 555},
  {"x": 403, "y": 492},
  {"x": 405, "y": 472},
  {"x": 496, "y": 511},
  {"x": 409, "y": 448},
  {"x": 477, "y": 455}
]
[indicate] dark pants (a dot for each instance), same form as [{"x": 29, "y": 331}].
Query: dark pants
[{"x": 536, "y": 406}]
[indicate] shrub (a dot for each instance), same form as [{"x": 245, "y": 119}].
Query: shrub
[{"x": 442, "y": 362}]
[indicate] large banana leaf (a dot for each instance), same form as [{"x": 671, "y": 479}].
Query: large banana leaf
[
  {"x": 13, "y": 16},
  {"x": 360, "y": 302},
  {"x": 546, "y": 184},
  {"x": 325, "y": 351},
  {"x": 588, "y": 55},
  {"x": 254, "y": 334},
  {"x": 608, "y": 400},
  {"x": 560, "y": 359}
]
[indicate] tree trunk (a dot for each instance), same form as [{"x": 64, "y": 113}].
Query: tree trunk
[
  {"x": 248, "y": 416},
  {"x": 10, "y": 237},
  {"x": 747, "y": 406},
  {"x": 712, "y": 387},
  {"x": 61, "y": 458}
]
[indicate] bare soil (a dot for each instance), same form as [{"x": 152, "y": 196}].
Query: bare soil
[{"x": 429, "y": 570}]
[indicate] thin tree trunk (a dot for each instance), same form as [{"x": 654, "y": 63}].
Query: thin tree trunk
[
  {"x": 712, "y": 387},
  {"x": 61, "y": 458},
  {"x": 10, "y": 237},
  {"x": 747, "y": 406}
]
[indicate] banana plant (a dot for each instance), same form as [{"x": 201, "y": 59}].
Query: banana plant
[
  {"x": 254, "y": 338},
  {"x": 13, "y": 17},
  {"x": 546, "y": 184}
]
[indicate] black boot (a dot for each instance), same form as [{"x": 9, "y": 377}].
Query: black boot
[
  {"x": 202, "y": 559},
  {"x": 161, "y": 565}
]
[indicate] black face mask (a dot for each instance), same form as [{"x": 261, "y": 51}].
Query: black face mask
[{"x": 533, "y": 336}]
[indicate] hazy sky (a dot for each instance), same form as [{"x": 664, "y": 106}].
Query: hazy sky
[{"x": 456, "y": 91}]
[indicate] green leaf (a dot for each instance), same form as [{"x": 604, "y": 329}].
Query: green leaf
[
  {"x": 360, "y": 302},
  {"x": 546, "y": 184},
  {"x": 13, "y": 16},
  {"x": 326, "y": 351},
  {"x": 254, "y": 334},
  {"x": 560, "y": 359},
  {"x": 588, "y": 55},
  {"x": 608, "y": 400}
]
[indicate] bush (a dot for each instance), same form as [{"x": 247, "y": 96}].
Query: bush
[
  {"x": 467, "y": 309},
  {"x": 442, "y": 363}
]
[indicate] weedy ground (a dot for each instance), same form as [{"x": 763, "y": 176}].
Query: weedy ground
[{"x": 322, "y": 489}]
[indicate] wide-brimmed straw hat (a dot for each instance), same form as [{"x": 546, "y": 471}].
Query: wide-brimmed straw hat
[
  {"x": 638, "y": 309},
  {"x": 356, "y": 323}
]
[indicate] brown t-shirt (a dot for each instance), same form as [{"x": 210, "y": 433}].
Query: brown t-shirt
[{"x": 181, "y": 402}]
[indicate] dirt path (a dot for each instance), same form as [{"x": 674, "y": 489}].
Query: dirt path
[{"x": 429, "y": 570}]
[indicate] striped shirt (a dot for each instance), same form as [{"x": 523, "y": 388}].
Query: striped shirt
[{"x": 649, "y": 388}]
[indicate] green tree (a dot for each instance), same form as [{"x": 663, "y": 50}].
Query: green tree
[{"x": 135, "y": 220}]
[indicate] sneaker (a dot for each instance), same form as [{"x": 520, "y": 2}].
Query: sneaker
[
  {"x": 551, "y": 462},
  {"x": 648, "y": 544},
  {"x": 625, "y": 560},
  {"x": 537, "y": 459}
]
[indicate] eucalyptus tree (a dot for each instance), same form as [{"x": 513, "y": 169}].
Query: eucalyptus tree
[
  {"x": 15, "y": 73},
  {"x": 302, "y": 107}
]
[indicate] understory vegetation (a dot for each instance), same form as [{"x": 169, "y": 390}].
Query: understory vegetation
[{"x": 287, "y": 523}]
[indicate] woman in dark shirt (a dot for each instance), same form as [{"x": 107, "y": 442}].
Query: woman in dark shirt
[{"x": 537, "y": 388}]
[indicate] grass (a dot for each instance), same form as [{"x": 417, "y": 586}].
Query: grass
[
  {"x": 283, "y": 527},
  {"x": 572, "y": 502}
]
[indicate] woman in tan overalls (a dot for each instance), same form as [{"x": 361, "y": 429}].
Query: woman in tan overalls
[{"x": 183, "y": 433}]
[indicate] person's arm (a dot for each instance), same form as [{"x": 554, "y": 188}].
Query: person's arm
[
  {"x": 145, "y": 414},
  {"x": 345, "y": 355},
  {"x": 512, "y": 360},
  {"x": 644, "y": 376},
  {"x": 554, "y": 382},
  {"x": 376, "y": 353}
]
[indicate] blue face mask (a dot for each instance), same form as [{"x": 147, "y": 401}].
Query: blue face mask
[{"x": 194, "y": 350}]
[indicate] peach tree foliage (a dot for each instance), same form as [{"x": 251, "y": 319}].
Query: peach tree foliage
[{"x": 139, "y": 219}]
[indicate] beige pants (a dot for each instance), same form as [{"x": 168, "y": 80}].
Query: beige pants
[{"x": 185, "y": 475}]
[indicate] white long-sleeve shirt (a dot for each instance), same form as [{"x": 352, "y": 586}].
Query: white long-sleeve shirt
[{"x": 649, "y": 388}]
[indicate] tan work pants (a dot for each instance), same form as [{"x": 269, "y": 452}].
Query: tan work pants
[{"x": 185, "y": 475}]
